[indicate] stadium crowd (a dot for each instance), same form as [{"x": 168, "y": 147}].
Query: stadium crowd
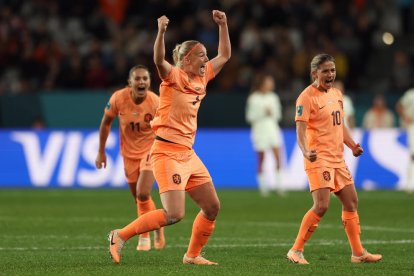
[{"x": 74, "y": 45}]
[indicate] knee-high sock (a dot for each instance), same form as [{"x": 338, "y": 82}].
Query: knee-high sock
[
  {"x": 147, "y": 222},
  {"x": 307, "y": 227},
  {"x": 202, "y": 229},
  {"x": 145, "y": 207},
  {"x": 350, "y": 221}
]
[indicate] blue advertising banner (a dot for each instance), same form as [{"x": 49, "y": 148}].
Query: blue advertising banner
[{"x": 66, "y": 158}]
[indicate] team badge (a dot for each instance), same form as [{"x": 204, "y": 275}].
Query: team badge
[
  {"x": 326, "y": 175},
  {"x": 148, "y": 118},
  {"x": 341, "y": 104},
  {"x": 299, "y": 110},
  {"x": 176, "y": 178}
]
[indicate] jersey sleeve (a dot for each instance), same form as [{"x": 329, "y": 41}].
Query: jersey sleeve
[
  {"x": 172, "y": 75},
  {"x": 303, "y": 108},
  {"x": 111, "y": 109}
]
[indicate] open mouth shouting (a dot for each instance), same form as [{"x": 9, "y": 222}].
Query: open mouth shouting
[
  {"x": 329, "y": 82},
  {"x": 140, "y": 90},
  {"x": 202, "y": 69}
]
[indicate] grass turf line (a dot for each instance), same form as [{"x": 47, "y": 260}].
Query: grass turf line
[{"x": 63, "y": 232}]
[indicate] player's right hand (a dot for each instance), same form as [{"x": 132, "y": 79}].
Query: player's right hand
[
  {"x": 163, "y": 23},
  {"x": 100, "y": 160},
  {"x": 311, "y": 155},
  {"x": 219, "y": 17}
]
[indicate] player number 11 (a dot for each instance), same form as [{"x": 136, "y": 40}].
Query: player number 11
[{"x": 134, "y": 126}]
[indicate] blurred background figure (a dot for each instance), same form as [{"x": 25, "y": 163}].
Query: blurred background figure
[
  {"x": 348, "y": 105},
  {"x": 263, "y": 113},
  {"x": 405, "y": 108},
  {"x": 379, "y": 115}
]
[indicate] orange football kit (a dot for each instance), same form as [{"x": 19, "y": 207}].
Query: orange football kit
[
  {"x": 175, "y": 164},
  {"x": 136, "y": 135},
  {"x": 323, "y": 112}
]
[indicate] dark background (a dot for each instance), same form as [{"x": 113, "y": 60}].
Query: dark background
[{"x": 71, "y": 55}]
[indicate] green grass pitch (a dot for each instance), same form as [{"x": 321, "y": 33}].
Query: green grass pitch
[{"x": 63, "y": 232}]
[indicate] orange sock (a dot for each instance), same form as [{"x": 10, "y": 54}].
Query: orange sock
[
  {"x": 202, "y": 229},
  {"x": 307, "y": 227},
  {"x": 147, "y": 222},
  {"x": 145, "y": 207},
  {"x": 350, "y": 221}
]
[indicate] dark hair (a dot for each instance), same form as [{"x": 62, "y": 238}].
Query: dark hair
[
  {"x": 139, "y": 66},
  {"x": 258, "y": 80},
  {"x": 317, "y": 61}
]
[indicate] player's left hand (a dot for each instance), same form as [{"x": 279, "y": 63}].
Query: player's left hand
[
  {"x": 219, "y": 17},
  {"x": 357, "y": 150}
]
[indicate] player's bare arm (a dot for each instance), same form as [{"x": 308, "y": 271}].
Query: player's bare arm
[
  {"x": 163, "y": 66},
  {"x": 224, "y": 47},
  {"x": 104, "y": 130},
  {"x": 309, "y": 154},
  {"x": 356, "y": 148}
]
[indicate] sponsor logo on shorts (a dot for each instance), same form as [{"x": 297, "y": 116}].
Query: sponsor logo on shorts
[
  {"x": 326, "y": 175},
  {"x": 176, "y": 178}
]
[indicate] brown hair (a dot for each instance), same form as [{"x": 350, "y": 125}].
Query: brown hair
[
  {"x": 258, "y": 81},
  {"x": 181, "y": 50},
  {"x": 139, "y": 66},
  {"x": 317, "y": 61}
]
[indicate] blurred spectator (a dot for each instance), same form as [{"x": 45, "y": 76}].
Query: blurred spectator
[
  {"x": 96, "y": 76},
  {"x": 263, "y": 113},
  {"x": 402, "y": 71},
  {"x": 114, "y": 9},
  {"x": 38, "y": 40},
  {"x": 405, "y": 108},
  {"x": 38, "y": 123},
  {"x": 378, "y": 116}
]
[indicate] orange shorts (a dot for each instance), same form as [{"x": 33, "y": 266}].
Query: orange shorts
[
  {"x": 177, "y": 167},
  {"x": 333, "y": 178},
  {"x": 132, "y": 167}
]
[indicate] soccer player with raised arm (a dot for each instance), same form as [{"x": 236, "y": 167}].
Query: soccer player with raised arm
[{"x": 177, "y": 168}]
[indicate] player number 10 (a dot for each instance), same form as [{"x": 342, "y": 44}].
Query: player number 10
[{"x": 336, "y": 118}]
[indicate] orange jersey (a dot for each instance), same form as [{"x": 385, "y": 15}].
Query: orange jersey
[
  {"x": 180, "y": 97},
  {"x": 136, "y": 135},
  {"x": 324, "y": 114}
]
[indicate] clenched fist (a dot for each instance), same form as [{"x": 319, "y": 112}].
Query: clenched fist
[{"x": 163, "y": 23}]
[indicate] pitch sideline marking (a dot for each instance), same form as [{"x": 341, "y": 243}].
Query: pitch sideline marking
[{"x": 255, "y": 245}]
